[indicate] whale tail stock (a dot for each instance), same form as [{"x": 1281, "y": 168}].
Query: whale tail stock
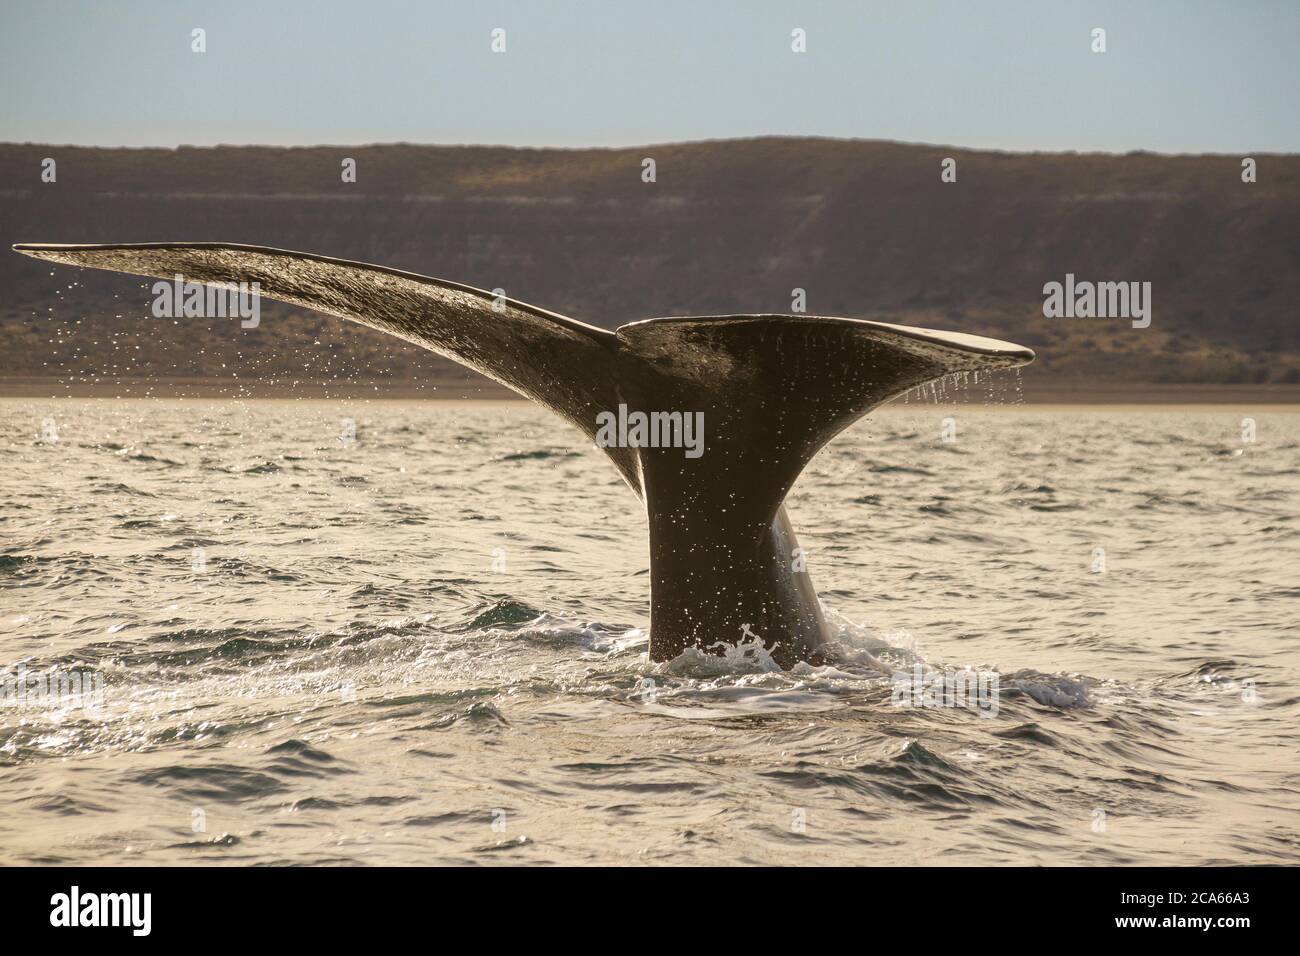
[{"x": 768, "y": 391}]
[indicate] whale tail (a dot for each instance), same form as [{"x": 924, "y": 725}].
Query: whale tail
[{"x": 767, "y": 392}]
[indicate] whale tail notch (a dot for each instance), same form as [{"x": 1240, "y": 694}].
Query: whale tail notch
[{"x": 770, "y": 390}]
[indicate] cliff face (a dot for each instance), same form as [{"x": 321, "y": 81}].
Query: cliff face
[{"x": 866, "y": 228}]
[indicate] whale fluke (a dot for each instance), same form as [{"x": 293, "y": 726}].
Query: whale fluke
[
  {"x": 771, "y": 389},
  {"x": 532, "y": 351}
]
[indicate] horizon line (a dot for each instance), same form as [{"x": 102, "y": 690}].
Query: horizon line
[{"x": 660, "y": 145}]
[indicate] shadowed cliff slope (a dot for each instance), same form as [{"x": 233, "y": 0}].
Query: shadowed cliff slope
[{"x": 866, "y": 228}]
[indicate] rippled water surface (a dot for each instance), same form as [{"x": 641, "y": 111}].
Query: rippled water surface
[{"x": 427, "y": 645}]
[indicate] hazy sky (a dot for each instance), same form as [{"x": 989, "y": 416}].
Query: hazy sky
[{"x": 1178, "y": 75}]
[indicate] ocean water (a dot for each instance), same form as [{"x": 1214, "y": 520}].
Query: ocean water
[{"x": 420, "y": 638}]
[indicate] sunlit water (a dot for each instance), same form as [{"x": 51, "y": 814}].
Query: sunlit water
[{"x": 427, "y": 645}]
